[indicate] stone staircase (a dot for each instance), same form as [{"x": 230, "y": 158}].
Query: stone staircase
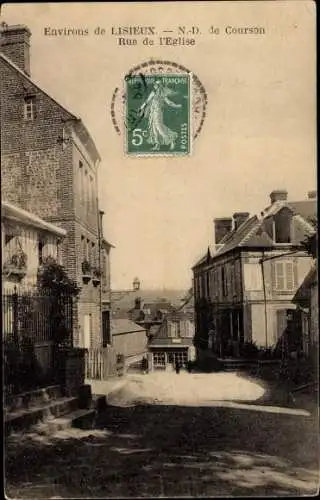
[
  {"x": 234, "y": 364},
  {"x": 49, "y": 407}
]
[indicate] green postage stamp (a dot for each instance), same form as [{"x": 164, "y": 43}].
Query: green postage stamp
[{"x": 158, "y": 114}]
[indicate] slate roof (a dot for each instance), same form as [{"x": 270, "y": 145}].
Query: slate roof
[
  {"x": 302, "y": 295},
  {"x": 121, "y": 326},
  {"x": 306, "y": 208},
  {"x": 251, "y": 233}
]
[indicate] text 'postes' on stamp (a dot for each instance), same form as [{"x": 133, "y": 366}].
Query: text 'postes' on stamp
[{"x": 158, "y": 114}]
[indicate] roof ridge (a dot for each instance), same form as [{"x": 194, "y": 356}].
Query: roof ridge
[{"x": 305, "y": 222}]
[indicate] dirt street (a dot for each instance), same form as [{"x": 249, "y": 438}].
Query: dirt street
[{"x": 175, "y": 435}]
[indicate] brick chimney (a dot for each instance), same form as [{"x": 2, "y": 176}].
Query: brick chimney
[
  {"x": 312, "y": 195},
  {"x": 278, "y": 195},
  {"x": 239, "y": 218},
  {"x": 15, "y": 45},
  {"x": 222, "y": 226}
]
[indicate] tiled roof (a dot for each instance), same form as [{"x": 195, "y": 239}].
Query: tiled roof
[
  {"x": 154, "y": 330},
  {"x": 306, "y": 208},
  {"x": 302, "y": 295},
  {"x": 124, "y": 299},
  {"x": 119, "y": 326},
  {"x": 252, "y": 233}
]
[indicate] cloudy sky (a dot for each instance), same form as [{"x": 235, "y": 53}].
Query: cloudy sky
[{"x": 259, "y": 132}]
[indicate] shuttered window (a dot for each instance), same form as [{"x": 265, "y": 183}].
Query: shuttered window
[
  {"x": 224, "y": 280},
  {"x": 284, "y": 276}
]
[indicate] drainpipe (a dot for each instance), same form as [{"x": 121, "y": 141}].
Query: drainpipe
[
  {"x": 100, "y": 215},
  {"x": 264, "y": 300}
]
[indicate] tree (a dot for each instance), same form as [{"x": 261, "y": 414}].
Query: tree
[
  {"x": 310, "y": 245},
  {"x": 53, "y": 278},
  {"x": 54, "y": 281}
]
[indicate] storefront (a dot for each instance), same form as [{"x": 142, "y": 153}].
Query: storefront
[{"x": 166, "y": 353}]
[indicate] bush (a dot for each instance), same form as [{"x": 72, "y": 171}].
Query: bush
[{"x": 249, "y": 350}]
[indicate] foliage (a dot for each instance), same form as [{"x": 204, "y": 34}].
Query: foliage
[
  {"x": 17, "y": 260},
  {"x": 54, "y": 278},
  {"x": 249, "y": 350},
  {"x": 54, "y": 281},
  {"x": 96, "y": 272},
  {"x": 310, "y": 245}
]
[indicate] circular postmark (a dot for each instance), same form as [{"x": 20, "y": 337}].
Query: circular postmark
[{"x": 155, "y": 66}]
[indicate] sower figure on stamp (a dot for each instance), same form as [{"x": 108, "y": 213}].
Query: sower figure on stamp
[{"x": 153, "y": 108}]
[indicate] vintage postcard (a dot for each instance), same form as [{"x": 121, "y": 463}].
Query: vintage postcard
[{"x": 159, "y": 249}]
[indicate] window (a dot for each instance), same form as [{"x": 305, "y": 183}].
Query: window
[
  {"x": 81, "y": 182},
  {"x": 58, "y": 250},
  {"x": 93, "y": 254},
  {"x": 88, "y": 251},
  {"x": 282, "y": 226},
  {"x": 208, "y": 285},
  {"x": 159, "y": 359},
  {"x": 86, "y": 187},
  {"x": 84, "y": 248},
  {"x": 30, "y": 110},
  {"x": 174, "y": 329},
  {"x": 284, "y": 276},
  {"x": 252, "y": 277},
  {"x": 224, "y": 281},
  {"x": 180, "y": 357},
  {"x": 91, "y": 191},
  {"x": 40, "y": 252}
]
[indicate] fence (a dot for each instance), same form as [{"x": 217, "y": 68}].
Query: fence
[
  {"x": 32, "y": 324},
  {"x": 102, "y": 363}
]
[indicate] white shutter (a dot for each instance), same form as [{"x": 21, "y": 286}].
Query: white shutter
[
  {"x": 280, "y": 281},
  {"x": 289, "y": 276}
]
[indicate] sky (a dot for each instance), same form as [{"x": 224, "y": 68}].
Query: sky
[{"x": 259, "y": 132}]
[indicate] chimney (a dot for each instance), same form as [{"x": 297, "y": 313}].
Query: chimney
[
  {"x": 136, "y": 284},
  {"x": 15, "y": 45},
  {"x": 278, "y": 195},
  {"x": 222, "y": 226},
  {"x": 312, "y": 195},
  {"x": 239, "y": 218}
]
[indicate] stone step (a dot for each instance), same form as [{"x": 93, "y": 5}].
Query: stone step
[
  {"x": 99, "y": 402},
  {"x": 80, "y": 418},
  {"x": 25, "y": 418},
  {"x": 33, "y": 398}
]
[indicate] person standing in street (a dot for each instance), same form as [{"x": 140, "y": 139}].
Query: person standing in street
[{"x": 144, "y": 365}]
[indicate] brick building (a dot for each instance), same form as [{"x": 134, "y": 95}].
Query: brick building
[
  {"x": 49, "y": 166},
  {"x": 244, "y": 286}
]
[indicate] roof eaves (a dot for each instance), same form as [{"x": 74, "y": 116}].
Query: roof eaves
[{"x": 16, "y": 213}]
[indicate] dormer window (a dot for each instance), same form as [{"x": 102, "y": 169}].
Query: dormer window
[
  {"x": 30, "y": 109},
  {"x": 282, "y": 224}
]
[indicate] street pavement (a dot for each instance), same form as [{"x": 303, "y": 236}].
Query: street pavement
[{"x": 211, "y": 435}]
